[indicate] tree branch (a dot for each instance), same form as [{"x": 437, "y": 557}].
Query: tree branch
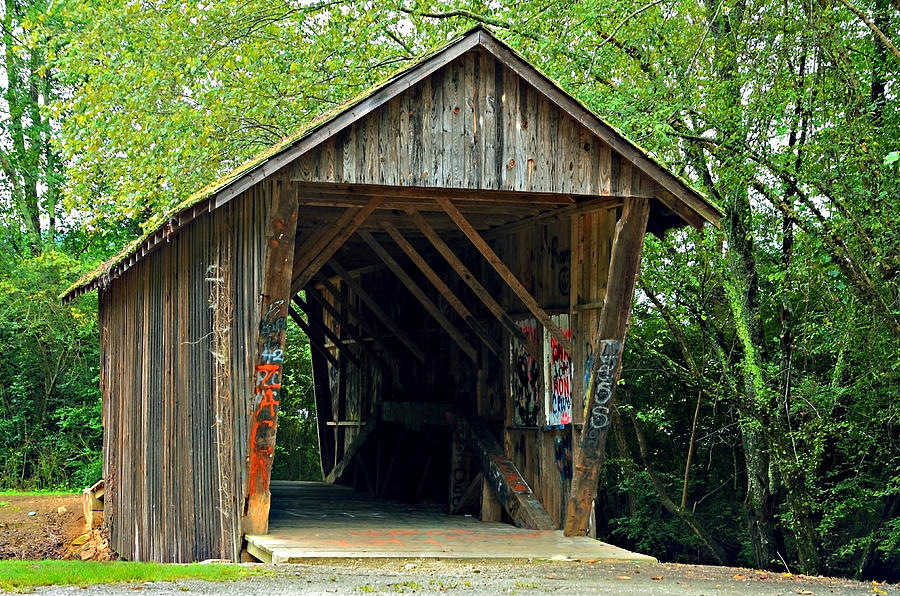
[{"x": 875, "y": 29}]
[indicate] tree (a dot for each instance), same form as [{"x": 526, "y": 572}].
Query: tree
[{"x": 29, "y": 162}]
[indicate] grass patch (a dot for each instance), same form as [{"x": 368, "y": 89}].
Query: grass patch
[
  {"x": 20, "y": 576},
  {"x": 39, "y": 493}
]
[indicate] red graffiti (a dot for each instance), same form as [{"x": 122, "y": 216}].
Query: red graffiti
[
  {"x": 260, "y": 456},
  {"x": 264, "y": 376}
]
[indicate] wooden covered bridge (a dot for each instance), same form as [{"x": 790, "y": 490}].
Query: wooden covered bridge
[{"x": 460, "y": 246}]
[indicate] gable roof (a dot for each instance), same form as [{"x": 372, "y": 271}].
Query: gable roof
[{"x": 675, "y": 193}]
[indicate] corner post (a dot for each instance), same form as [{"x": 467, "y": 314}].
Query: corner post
[
  {"x": 281, "y": 231},
  {"x": 606, "y": 350}
]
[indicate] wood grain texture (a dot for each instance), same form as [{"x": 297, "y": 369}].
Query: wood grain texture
[
  {"x": 606, "y": 355},
  {"x": 475, "y": 124}
]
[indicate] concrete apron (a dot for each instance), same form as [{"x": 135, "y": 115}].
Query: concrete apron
[{"x": 310, "y": 520}]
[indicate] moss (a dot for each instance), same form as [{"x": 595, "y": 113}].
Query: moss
[{"x": 156, "y": 223}]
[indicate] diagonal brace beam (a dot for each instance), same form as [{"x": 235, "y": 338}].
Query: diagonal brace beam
[
  {"x": 416, "y": 291},
  {"x": 376, "y": 308},
  {"x": 514, "y": 284},
  {"x": 442, "y": 287},
  {"x": 473, "y": 283},
  {"x": 334, "y": 244}
]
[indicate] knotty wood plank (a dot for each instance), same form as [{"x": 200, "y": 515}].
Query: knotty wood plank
[
  {"x": 282, "y": 223},
  {"x": 502, "y": 476},
  {"x": 416, "y": 291},
  {"x": 504, "y": 272},
  {"x": 607, "y": 352},
  {"x": 599, "y": 128},
  {"x": 442, "y": 287}
]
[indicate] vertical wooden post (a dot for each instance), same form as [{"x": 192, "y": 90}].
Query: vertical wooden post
[
  {"x": 274, "y": 301},
  {"x": 606, "y": 368}
]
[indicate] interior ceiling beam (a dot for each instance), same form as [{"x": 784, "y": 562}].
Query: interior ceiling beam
[
  {"x": 306, "y": 274},
  {"x": 511, "y": 280},
  {"x": 416, "y": 291},
  {"x": 326, "y": 330},
  {"x": 355, "y": 335},
  {"x": 399, "y": 193},
  {"x": 598, "y": 204},
  {"x": 309, "y": 333},
  {"x": 362, "y": 322},
  {"x": 479, "y": 290},
  {"x": 364, "y": 296},
  {"x": 334, "y": 200},
  {"x": 443, "y": 289}
]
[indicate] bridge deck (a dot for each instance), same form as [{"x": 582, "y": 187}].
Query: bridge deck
[{"x": 310, "y": 520}]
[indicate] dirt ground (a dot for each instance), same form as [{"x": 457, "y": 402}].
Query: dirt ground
[
  {"x": 48, "y": 534},
  {"x": 51, "y": 531}
]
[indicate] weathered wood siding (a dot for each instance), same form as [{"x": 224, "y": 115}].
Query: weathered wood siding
[
  {"x": 473, "y": 124},
  {"x": 178, "y": 338},
  {"x": 565, "y": 266}
]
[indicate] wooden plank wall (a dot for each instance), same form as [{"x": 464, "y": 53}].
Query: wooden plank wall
[
  {"x": 473, "y": 124},
  {"x": 176, "y": 385},
  {"x": 565, "y": 267}
]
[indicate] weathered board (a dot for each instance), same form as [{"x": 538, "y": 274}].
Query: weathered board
[
  {"x": 474, "y": 124},
  {"x": 175, "y": 412}
]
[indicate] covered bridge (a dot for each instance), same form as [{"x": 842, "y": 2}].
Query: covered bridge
[{"x": 460, "y": 245}]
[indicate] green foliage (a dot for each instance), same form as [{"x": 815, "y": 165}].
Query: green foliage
[
  {"x": 50, "y": 423},
  {"x": 785, "y": 323},
  {"x": 19, "y": 576},
  {"x": 297, "y": 448}
]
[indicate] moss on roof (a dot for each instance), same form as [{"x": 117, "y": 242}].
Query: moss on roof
[{"x": 154, "y": 224}]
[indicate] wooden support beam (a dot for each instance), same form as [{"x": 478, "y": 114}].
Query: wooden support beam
[
  {"x": 509, "y": 197},
  {"x": 336, "y": 241},
  {"x": 479, "y": 290},
  {"x": 416, "y": 291},
  {"x": 515, "y": 285},
  {"x": 345, "y": 326},
  {"x": 444, "y": 290},
  {"x": 316, "y": 239},
  {"x": 599, "y": 397},
  {"x": 502, "y": 475},
  {"x": 275, "y": 297},
  {"x": 598, "y": 204},
  {"x": 326, "y": 330},
  {"x": 350, "y": 453},
  {"x": 304, "y": 326},
  {"x": 460, "y": 472},
  {"x": 364, "y": 325},
  {"x": 470, "y": 498},
  {"x": 322, "y": 390},
  {"x": 377, "y": 310}
]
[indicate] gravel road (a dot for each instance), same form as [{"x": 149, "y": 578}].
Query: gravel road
[{"x": 501, "y": 577}]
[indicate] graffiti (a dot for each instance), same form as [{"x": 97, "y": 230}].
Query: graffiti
[
  {"x": 525, "y": 378},
  {"x": 562, "y": 450},
  {"x": 604, "y": 384},
  {"x": 459, "y": 473},
  {"x": 559, "y": 260},
  {"x": 559, "y": 372},
  {"x": 266, "y": 394},
  {"x": 505, "y": 478}
]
